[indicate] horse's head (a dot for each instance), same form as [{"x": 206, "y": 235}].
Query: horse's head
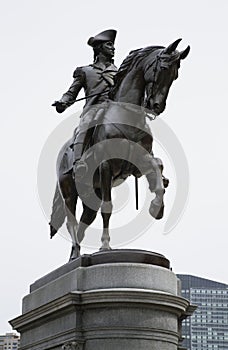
[{"x": 160, "y": 71}]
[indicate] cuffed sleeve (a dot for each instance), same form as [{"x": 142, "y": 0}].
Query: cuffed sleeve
[{"x": 79, "y": 82}]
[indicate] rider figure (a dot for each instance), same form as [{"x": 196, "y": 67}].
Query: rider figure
[{"x": 96, "y": 79}]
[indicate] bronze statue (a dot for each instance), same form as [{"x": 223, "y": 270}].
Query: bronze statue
[{"x": 119, "y": 143}]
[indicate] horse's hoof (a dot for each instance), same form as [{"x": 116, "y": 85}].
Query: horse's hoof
[
  {"x": 74, "y": 256},
  {"x": 157, "y": 211},
  {"x": 105, "y": 249},
  {"x": 75, "y": 253},
  {"x": 165, "y": 182}
]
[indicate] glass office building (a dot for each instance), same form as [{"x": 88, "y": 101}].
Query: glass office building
[{"x": 207, "y": 328}]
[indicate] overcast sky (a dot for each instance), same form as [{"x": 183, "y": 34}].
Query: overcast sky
[{"x": 42, "y": 42}]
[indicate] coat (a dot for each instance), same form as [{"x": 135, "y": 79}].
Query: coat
[{"x": 94, "y": 78}]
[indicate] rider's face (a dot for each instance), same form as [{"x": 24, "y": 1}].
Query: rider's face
[{"x": 108, "y": 49}]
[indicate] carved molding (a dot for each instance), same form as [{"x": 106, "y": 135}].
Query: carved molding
[{"x": 72, "y": 346}]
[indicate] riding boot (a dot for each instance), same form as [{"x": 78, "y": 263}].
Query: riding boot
[
  {"x": 79, "y": 166},
  {"x": 82, "y": 138}
]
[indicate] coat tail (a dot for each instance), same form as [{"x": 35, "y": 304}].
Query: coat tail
[{"x": 58, "y": 213}]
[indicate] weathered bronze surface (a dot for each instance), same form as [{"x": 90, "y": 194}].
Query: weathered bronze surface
[{"x": 113, "y": 139}]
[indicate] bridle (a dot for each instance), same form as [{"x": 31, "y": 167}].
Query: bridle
[
  {"x": 159, "y": 62},
  {"x": 150, "y": 91}
]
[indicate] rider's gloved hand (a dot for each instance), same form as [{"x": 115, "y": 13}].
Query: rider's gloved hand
[{"x": 60, "y": 106}]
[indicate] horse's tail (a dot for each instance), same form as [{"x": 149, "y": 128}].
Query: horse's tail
[{"x": 58, "y": 213}]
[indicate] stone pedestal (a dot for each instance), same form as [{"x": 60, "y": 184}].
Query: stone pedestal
[{"x": 117, "y": 300}]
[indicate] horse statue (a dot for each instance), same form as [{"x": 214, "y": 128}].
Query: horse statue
[{"x": 120, "y": 145}]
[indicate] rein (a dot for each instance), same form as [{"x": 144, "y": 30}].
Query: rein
[
  {"x": 89, "y": 96},
  {"x": 162, "y": 60},
  {"x": 151, "y": 90}
]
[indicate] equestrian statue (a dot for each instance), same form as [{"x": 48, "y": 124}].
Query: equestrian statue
[{"x": 113, "y": 139}]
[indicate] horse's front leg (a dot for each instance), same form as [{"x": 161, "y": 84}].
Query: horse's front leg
[
  {"x": 106, "y": 202},
  {"x": 157, "y": 185}
]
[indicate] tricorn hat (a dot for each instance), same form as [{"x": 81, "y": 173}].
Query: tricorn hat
[{"x": 106, "y": 35}]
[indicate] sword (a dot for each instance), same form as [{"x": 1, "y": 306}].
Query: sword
[{"x": 82, "y": 98}]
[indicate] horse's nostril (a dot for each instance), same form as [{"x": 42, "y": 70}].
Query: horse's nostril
[{"x": 156, "y": 105}]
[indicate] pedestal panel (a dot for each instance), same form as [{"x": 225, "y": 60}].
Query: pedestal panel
[{"x": 105, "y": 304}]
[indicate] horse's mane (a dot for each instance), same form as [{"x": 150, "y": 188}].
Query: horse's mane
[{"x": 135, "y": 56}]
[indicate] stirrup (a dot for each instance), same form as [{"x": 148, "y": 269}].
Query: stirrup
[{"x": 80, "y": 169}]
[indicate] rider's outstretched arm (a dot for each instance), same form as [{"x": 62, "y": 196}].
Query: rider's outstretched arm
[{"x": 70, "y": 96}]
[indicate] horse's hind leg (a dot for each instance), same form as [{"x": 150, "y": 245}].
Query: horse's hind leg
[
  {"x": 87, "y": 218},
  {"x": 69, "y": 193},
  {"x": 106, "y": 203}
]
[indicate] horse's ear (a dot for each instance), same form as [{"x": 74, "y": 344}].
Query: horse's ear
[
  {"x": 184, "y": 53},
  {"x": 172, "y": 47}
]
